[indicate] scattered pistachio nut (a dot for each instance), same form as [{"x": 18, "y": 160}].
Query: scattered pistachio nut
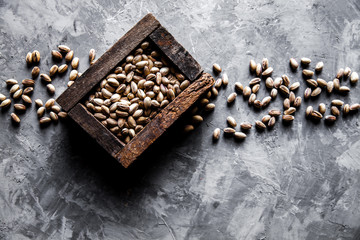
[
  {"x": 231, "y": 97},
  {"x": 2, "y": 97},
  {"x": 335, "y": 111},
  {"x": 225, "y": 79},
  {"x": 294, "y": 86},
  {"x": 15, "y": 118},
  {"x": 216, "y": 134},
  {"x": 35, "y": 72},
  {"x": 62, "y": 115},
  {"x": 62, "y": 68},
  {"x": 258, "y": 70},
  {"x": 330, "y": 86},
  {"x": 277, "y": 82},
  {"x": 252, "y": 99},
  {"x": 229, "y": 130},
  {"x": 218, "y": 83},
  {"x": 336, "y": 82},
  {"x": 269, "y": 83},
  {"x": 255, "y": 88},
  {"x": 28, "y": 90},
  {"x": 305, "y": 61},
  {"x": 239, "y": 87},
  {"x": 17, "y": 94},
  {"x": 56, "y": 109},
  {"x": 44, "y": 120},
  {"x": 54, "y": 117},
  {"x": 53, "y": 70},
  {"x": 197, "y": 119},
  {"x": 64, "y": 48},
  {"x": 28, "y": 58},
  {"x": 39, "y": 103},
  {"x": 49, "y": 103},
  {"x": 26, "y": 99},
  {"x": 217, "y": 68},
  {"x": 319, "y": 67},
  {"x": 312, "y": 83},
  {"x": 265, "y": 119},
  {"x": 316, "y": 92},
  {"x": 340, "y": 73},
  {"x": 286, "y": 80},
  {"x": 347, "y": 72},
  {"x": 11, "y": 82},
  {"x": 50, "y": 88},
  {"x": 257, "y": 104},
  {"x": 297, "y": 102},
  {"x": 265, "y": 102},
  {"x": 293, "y": 63},
  {"x": 346, "y": 109},
  {"x": 316, "y": 115},
  {"x": 14, "y": 88},
  {"x": 56, "y": 55},
  {"x": 265, "y": 64},
  {"x": 330, "y": 118},
  {"x": 252, "y": 66},
  {"x": 290, "y": 111},
  {"x": 288, "y": 118},
  {"x": 308, "y": 111},
  {"x": 69, "y": 56},
  {"x": 260, "y": 125},
  {"x": 292, "y": 98},
  {"x": 354, "y": 107},
  {"x": 28, "y": 82},
  {"x": 254, "y": 81},
  {"x": 245, "y": 126},
  {"x": 209, "y": 107},
  {"x": 344, "y": 89},
  {"x": 73, "y": 75},
  {"x": 70, "y": 83},
  {"x": 188, "y": 128},
  {"x": 321, "y": 82},
  {"x": 284, "y": 90},
  {"x": 322, "y": 108},
  {"x": 45, "y": 78},
  {"x": 19, "y": 107},
  {"x": 35, "y": 56},
  {"x": 267, "y": 72},
  {"x": 5, "y": 103},
  {"x": 239, "y": 135},
  {"x": 273, "y": 93},
  {"x": 231, "y": 121},
  {"x": 337, "y": 102},
  {"x": 354, "y": 77},
  {"x": 274, "y": 112},
  {"x": 91, "y": 55},
  {"x": 286, "y": 103},
  {"x": 271, "y": 122},
  {"x": 75, "y": 63}
]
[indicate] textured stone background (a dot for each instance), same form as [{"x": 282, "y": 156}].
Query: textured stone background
[{"x": 294, "y": 182}]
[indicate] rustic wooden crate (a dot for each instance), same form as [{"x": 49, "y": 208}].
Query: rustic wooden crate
[{"x": 147, "y": 28}]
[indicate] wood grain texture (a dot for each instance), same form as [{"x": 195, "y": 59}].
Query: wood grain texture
[
  {"x": 107, "y": 62},
  {"x": 176, "y": 53},
  {"x": 163, "y": 120},
  {"x": 96, "y": 129}
]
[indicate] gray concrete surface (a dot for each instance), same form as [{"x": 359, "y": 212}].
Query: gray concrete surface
[{"x": 293, "y": 182}]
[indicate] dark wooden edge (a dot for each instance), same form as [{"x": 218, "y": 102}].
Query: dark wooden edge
[
  {"x": 163, "y": 120},
  {"x": 176, "y": 53},
  {"x": 96, "y": 129},
  {"x": 107, "y": 62}
]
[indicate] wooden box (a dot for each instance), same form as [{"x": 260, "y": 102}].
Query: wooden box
[{"x": 150, "y": 29}]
